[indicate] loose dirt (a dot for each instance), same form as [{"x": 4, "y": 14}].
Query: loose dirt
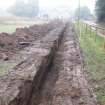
[
  {"x": 11, "y": 44},
  {"x": 52, "y": 72}
]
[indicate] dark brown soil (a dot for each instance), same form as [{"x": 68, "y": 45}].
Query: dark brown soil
[
  {"x": 65, "y": 82},
  {"x": 52, "y": 72},
  {"x": 10, "y": 44}
]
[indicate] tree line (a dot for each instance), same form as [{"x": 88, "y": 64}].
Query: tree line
[
  {"x": 25, "y": 9},
  {"x": 85, "y": 14},
  {"x": 31, "y": 8},
  {"x": 100, "y": 10}
]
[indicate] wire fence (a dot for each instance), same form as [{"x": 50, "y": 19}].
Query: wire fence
[
  {"x": 92, "y": 42},
  {"x": 98, "y": 31}
]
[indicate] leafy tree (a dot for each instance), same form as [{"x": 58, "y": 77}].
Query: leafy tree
[
  {"x": 100, "y": 10},
  {"x": 20, "y": 8},
  {"x": 83, "y": 13}
]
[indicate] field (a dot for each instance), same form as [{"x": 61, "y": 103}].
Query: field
[
  {"x": 10, "y": 27},
  {"x": 5, "y": 66},
  {"x": 94, "y": 53},
  {"x": 52, "y": 61}
]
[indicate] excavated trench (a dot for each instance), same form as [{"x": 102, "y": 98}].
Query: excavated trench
[
  {"x": 37, "y": 88},
  {"x": 52, "y": 73},
  {"x": 22, "y": 83},
  {"x": 64, "y": 82}
]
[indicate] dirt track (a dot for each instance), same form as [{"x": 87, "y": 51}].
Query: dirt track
[{"x": 57, "y": 76}]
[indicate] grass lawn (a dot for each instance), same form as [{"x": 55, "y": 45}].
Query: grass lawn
[
  {"x": 9, "y": 28},
  {"x": 5, "y": 66},
  {"x": 93, "y": 48}
]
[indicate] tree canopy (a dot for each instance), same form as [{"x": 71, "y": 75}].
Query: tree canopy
[
  {"x": 100, "y": 10},
  {"x": 21, "y": 8},
  {"x": 83, "y": 13}
]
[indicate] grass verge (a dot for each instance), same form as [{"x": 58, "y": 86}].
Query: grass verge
[
  {"x": 92, "y": 46},
  {"x": 5, "y": 66},
  {"x": 10, "y": 28}
]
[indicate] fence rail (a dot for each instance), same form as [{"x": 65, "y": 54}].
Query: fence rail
[
  {"x": 99, "y": 31},
  {"x": 92, "y": 42}
]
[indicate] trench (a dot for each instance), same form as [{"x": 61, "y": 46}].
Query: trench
[
  {"x": 46, "y": 89},
  {"x": 46, "y": 77},
  {"x": 60, "y": 79},
  {"x": 61, "y": 83}
]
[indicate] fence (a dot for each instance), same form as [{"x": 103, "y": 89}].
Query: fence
[
  {"x": 92, "y": 42},
  {"x": 99, "y": 31}
]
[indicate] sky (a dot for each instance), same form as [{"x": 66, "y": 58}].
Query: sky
[
  {"x": 72, "y": 4},
  {"x": 67, "y": 3}
]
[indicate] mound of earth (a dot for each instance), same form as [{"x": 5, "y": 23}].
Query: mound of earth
[
  {"x": 10, "y": 44},
  {"x": 51, "y": 71}
]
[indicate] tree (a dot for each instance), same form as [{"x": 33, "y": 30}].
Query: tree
[
  {"x": 83, "y": 13},
  {"x": 20, "y": 8},
  {"x": 100, "y": 10}
]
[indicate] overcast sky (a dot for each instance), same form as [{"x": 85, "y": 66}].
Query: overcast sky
[
  {"x": 54, "y": 3},
  {"x": 67, "y": 3}
]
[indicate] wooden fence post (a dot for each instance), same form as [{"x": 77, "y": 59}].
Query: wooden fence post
[
  {"x": 86, "y": 28},
  {"x": 96, "y": 34},
  {"x": 104, "y": 39},
  {"x": 90, "y": 30},
  {"x": 104, "y": 44}
]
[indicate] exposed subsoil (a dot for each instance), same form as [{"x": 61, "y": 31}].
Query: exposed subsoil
[
  {"x": 11, "y": 44},
  {"x": 61, "y": 78}
]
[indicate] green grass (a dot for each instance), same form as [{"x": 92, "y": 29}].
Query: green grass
[
  {"x": 101, "y": 95},
  {"x": 5, "y": 66},
  {"x": 9, "y": 28},
  {"x": 92, "y": 46}
]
